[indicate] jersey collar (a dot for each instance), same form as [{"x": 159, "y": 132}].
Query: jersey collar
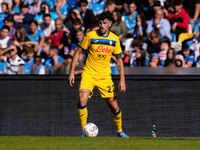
[{"x": 104, "y": 35}]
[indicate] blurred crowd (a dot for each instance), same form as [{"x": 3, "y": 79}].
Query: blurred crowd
[{"x": 41, "y": 36}]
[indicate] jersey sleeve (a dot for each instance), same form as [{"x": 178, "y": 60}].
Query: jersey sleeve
[
  {"x": 86, "y": 42},
  {"x": 117, "y": 49}
]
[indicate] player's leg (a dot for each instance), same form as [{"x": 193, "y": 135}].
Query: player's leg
[
  {"x": 82, "y": 106},
  {"x": 116, "y": 115}
]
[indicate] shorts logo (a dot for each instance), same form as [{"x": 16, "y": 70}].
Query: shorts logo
[{"x": 102, "y": 49}]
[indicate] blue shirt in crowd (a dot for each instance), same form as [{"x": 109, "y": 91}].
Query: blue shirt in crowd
[
  {"x": 165, "y": 27},
  {"x": 28, "y": 65},
  {"x": 130, "y": 22},
  {"x": 39, "y": 17},
  {"x": 36, "y": 37}
]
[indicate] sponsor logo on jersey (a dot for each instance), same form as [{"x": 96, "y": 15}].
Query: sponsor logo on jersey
[{"x": 102, "y": 49}]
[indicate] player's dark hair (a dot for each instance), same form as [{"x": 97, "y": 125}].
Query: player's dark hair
[
  {"x": 6, "y": 27},
  {"x": 105, "y": 15}
]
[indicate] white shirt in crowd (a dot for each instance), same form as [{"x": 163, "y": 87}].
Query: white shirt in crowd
[
  {"x": 12, "y": 66},
  {"x": 47, "y": 30},
  {"x": 6, "y": 42}
]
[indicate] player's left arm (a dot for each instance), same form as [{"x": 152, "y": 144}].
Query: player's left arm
[{"x": 120, "y": 66}]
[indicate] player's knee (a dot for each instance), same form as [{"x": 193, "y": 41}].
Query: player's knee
[
  {"x": 115, "y": 109},
  {"x": 83, "y": 100}
]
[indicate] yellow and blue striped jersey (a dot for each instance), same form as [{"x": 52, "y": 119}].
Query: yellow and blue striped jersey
[{"x": 100, "y": 49}]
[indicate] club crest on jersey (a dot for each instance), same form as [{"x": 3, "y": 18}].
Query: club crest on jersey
[
  {"x": 110, "y": 42},
  {"x": 102, "y": 49}
]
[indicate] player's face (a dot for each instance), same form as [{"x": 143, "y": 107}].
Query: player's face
[{"x": 104, "y": 26}]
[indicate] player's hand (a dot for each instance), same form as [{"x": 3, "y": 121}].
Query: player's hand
[
  {"x": 71, "y": 79},
  {"x": 122, "y": 87}
]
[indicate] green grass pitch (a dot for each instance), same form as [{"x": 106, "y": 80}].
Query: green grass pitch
[{"x": 98, "y": 143}]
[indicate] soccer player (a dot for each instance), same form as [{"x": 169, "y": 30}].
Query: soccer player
[{"x": 96, "y": 72}]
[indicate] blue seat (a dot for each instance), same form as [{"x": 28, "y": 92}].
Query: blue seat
[
  {"x": 196, "y": 27},
  {"x": 173, "y": 35}
]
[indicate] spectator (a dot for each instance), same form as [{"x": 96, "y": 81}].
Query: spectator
[
  {"x": 21, "y": 39},
  {"x": 148, "y": 10},
  {"x": 131, "y": 47},
  {"x": 55, "y": 59},
  {"x": 4, "y": 13},
  {"x": 61, "y": 9},
  {"x": 44, "y": 9},
  {"x": 51, "y": 3},
  {"x": 56, "y": 37},
  {"x": 38, "y": 68},
  {"x": 30, "y": 59},
  {"x": 48, "y": 26},
  {"x": 9, "y": 22},
  {"x": 161, "y": 24},
  {"x": 77, "y": 24},
  {"x": 46, "y": 48},
  {"x": 141, "y": 60},
  {"x": 157, "y": 5},
  {"x": 79, "y": 38},
  {"x": 140, "y": 28},
  {"x": 179, "y": 20},
  {"x": 130, "y": 19},
  {"x": 98, "y": 7},
  {"x": 23, "y": 18},
  {"x": 14, "y": 64},
  {"x": 73, "y": 15},
  {"x": 110, "y": 5},
  {"x": 164, "y": 47},
  {"x": 36, "y": 35},
  {"x": 193, "y": 9},
  {"x": 34, "y": 8},
  {"x": 171, "y": 54},
  {"x": 154, "y": 43},
  {"x": 16, "y": 6},
  {"x": 86, "y": 14},
  {"x": 188, "y": 55},
  {"x": 154, "y": 60},
  {"x": 118, "y": 26},
  {"x": 5, "y": 40},
  {"x": 179, "y": 61}
]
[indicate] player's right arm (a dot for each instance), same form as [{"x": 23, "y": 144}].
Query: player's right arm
[{"x": 73, "y": 65}]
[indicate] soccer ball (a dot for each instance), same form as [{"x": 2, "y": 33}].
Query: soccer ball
[{"x": 90, "y": 130}]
